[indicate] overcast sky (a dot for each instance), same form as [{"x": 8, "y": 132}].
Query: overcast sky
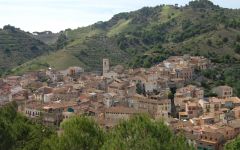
[{"x": 56, "y": 15}]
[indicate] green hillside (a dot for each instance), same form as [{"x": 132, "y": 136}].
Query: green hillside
[
  {"x": 147, "y": 36},
  {"x": 18, "y": 47}
]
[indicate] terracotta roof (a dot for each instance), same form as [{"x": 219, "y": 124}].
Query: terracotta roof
[
  {"x": 232, "y": 99},
  {"x": 34, "y": 105}
]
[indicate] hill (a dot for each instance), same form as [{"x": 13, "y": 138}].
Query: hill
[
  {"x": 18, "y": 47},
  {"x": 147, "y": 36}
]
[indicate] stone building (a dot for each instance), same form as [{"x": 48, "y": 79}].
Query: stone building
[
  {"x": 120, "y": 113},
  {"x": 223, "y": 91}
]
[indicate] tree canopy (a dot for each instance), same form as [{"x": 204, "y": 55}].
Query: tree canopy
[
  {"x": 233, "y": 145},
  {"x": 17, "y": 132},
  {"x": 78, "y": 133},
  {"x": 83, "y": 133},
  {"x": 140, "y": 132}
]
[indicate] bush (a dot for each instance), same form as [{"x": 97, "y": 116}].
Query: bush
[
  {"x": 237, "y": 48},
  {"x": 225, "y": 39},
  {"x": 209, "y": 42},
  {"x": 238, "y": 38}
]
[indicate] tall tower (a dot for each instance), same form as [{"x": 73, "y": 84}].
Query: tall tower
[{"x": 105, "y": 66}]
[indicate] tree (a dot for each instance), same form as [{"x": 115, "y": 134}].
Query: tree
[
  {"x": 7, "y": 140},
  {"x": 17, "y": 132},
  {"x": 237, "y": 48},
  {"x": 225, "y": 39},
  {"x": 172, "y": 92},
  {"x": 171, "y": 97},
  {"x": 7, "y": 51},
  {"x": 186, "y": 23},
  {"x": 139, "y": 89},
  {"x": 238, "y": 38},
  {"x": 61, "y": 41},
  {"x": 140, "y": 132},
  {"x": 79, "y": 133},
  {"x": 233, "y": 145},
  {"x": 209, "y": 42},
  {"x": 147, "y": 63}
]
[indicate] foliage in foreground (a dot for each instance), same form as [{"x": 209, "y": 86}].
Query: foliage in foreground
[
  {"x": 17, "y": 132},
  {"x": 142, "y": 133},
  {"x": 77, "y": 133},
  {"x": 138, "y": 133},
  {"x": 233, "y": 145}
]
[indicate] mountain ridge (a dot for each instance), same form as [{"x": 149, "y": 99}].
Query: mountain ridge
[{"x": 147, "y": 36}]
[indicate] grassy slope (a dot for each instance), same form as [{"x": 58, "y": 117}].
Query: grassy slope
[{"x": 119, "y": 27}]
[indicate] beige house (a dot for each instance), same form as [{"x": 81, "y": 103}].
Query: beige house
[
  {"x": 211, "y": 105},
  {"x": 33, "y": 110},
  {"x": 53, "y": 112},
  {"x": 210, "y": 139},
  {"x": 156, "y": 108},
  {"x": 193, "y": 109},
  {"x": 199, "y": 62},
  {"x": 236, "y": 111},
  {"x": 223, "y": 91},
  {"x": 214, "y": 104},
  {"x": 188, "y": 93},
  {"x": 72, "y": 71}
]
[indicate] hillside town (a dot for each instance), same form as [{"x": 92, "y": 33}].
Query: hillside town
[{"x": 164, "y": 91}]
